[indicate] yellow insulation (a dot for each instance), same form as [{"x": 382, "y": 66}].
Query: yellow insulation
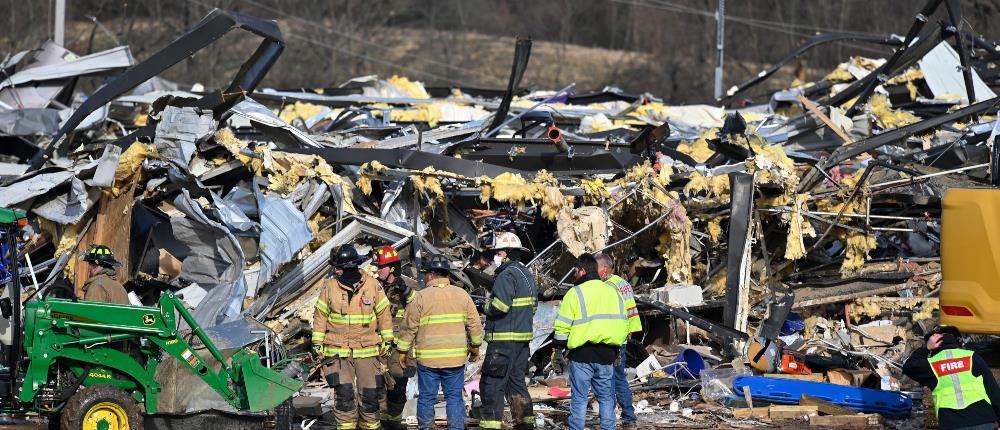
[
  {"x": 798, "y": 227},
  {"x": 299, "y": 110},
  {"x": 886, "y": 116},
  {"x": 858, "y": 247},
  {"x": 514, "y": 189},
  {"x": 365, "y": 174},
  {"x": 130, "y": 165},
  {"x": 699, "y": 149}
]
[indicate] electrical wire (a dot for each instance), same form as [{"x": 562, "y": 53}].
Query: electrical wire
[{"x": 779, "y": 27}]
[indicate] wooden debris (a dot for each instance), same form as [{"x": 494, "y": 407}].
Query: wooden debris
[
  {"x": 748, "y": 397},
  {"x": 825, "y": 407},
  {"x": 750, "y": 413},
  {"x": 791, "y": 412},
  {"x": 815, "y": 377},
  {"x": 858, "y": 421}
]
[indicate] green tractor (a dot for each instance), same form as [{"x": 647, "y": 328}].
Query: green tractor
[{"x": 94, "y": 364}]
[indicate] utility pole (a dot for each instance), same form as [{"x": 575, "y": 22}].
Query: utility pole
[
  {"x": 60, "y": 25},
  {"x": 720, "y": 45}
]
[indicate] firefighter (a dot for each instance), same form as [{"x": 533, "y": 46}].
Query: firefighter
[
  {"x": 623, "y": 395},
  {"x": 389, "y": 267},
  {"x": 483, "y": 262},
  {"x": 592, "y": 324},
  {"x": 966, "y": 395},
  {"x": 442, "y": 327},
  {"x": 352, "y": 327},
  {"x": 103, "y": 285},
  {"x": 509, "y": 315}
]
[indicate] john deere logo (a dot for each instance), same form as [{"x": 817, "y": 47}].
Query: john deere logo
[{"x": 148, "y": 319}]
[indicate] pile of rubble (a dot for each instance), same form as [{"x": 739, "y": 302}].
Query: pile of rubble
[{"x": 807, "y": 218}]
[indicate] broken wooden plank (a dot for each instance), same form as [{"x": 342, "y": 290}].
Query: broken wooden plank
[
  {"x": 861, "y": 289},
  {"x": 112, "y": 228},
  {"x": 750, "y": 412},
  {"x": 822, "y": 117},
  {"x": 858, "y": 421},
  {"x": 825, "y": 407},
  {"x": 814, "y": 377},
  {"x": 748, "y": 397},
  {"x": 791, "y": 412}
]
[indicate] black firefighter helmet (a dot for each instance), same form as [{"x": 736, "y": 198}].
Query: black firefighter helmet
[
  {"x": 437, "y": 263},
  {"x": 345, "y": 257},
  {"x": 101, "y": 255}
]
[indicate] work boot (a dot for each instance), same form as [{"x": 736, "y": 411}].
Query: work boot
[{"x": 630, "y": 426}]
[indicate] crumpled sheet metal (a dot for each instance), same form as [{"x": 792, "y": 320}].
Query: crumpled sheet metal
[
  {"x": 211, "y": 28},
  {"x": 115, "y": 58},
  {"x": 29, "y": 122},
  {"x": 943, "y": 74},
  {"x": 179, "y": 130},
  {"x": 214, "y": 261},
  {"x": 284, "y": 233},
  {"x": 70, "y": 207},
  {"x": 34, "y": 186}
]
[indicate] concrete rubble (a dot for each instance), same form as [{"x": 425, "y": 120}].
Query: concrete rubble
[{"x": 807, "y": 218}]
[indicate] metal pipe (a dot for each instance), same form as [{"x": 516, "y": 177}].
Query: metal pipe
[
  {"x": 100, "y": 339},
  {"x": 888, "y": 217},
  {"x": 929, "y": 175},
  {"x": 547, "y": 248},
  {"x": 31, "y": 268},
  {"x": 105, "y": 327},
  {"x": 720, "y": 46}
]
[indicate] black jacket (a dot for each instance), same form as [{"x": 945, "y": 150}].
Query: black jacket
[
  {"x": 510, "y": 313},
  {"x": 919, "y": 369}
]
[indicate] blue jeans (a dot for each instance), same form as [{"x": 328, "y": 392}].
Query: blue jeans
[
  {"x": 622, "y": 391},
  {"x": 583, "y": 377},
  {"x": 452, "y": 381}
]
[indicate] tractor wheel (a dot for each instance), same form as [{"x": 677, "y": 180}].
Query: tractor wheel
[{"x": 101, "y": 407}]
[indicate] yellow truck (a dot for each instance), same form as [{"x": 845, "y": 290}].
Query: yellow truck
[{"x": 970, "y": 260}]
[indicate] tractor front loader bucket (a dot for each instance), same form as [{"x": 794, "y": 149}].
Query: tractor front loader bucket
[{"x": 264, "y": 388}]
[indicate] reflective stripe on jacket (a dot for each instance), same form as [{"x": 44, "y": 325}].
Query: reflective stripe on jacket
[
  {"x": 510, "y": 311},
  {"x": 631, "y": 310},
  {"x": 349, "y": 323},
  {"x": 592, "y": 312},
  {"x": 441, "y": 323},
  {"x": 957, "y": 387}
]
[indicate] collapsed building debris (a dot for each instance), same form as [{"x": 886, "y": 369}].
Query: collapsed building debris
[{"x": 809, "y": 217}]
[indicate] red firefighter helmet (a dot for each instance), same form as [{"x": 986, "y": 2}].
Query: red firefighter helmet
[{"x": 386, "y": 255}]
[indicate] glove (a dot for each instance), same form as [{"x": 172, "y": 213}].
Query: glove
[
  {"x": 473, "y": 354},
  {"x": 386, "y": 349},
  {"x": 559, "y": 360},
  {"x": 402, "y": 360}
]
